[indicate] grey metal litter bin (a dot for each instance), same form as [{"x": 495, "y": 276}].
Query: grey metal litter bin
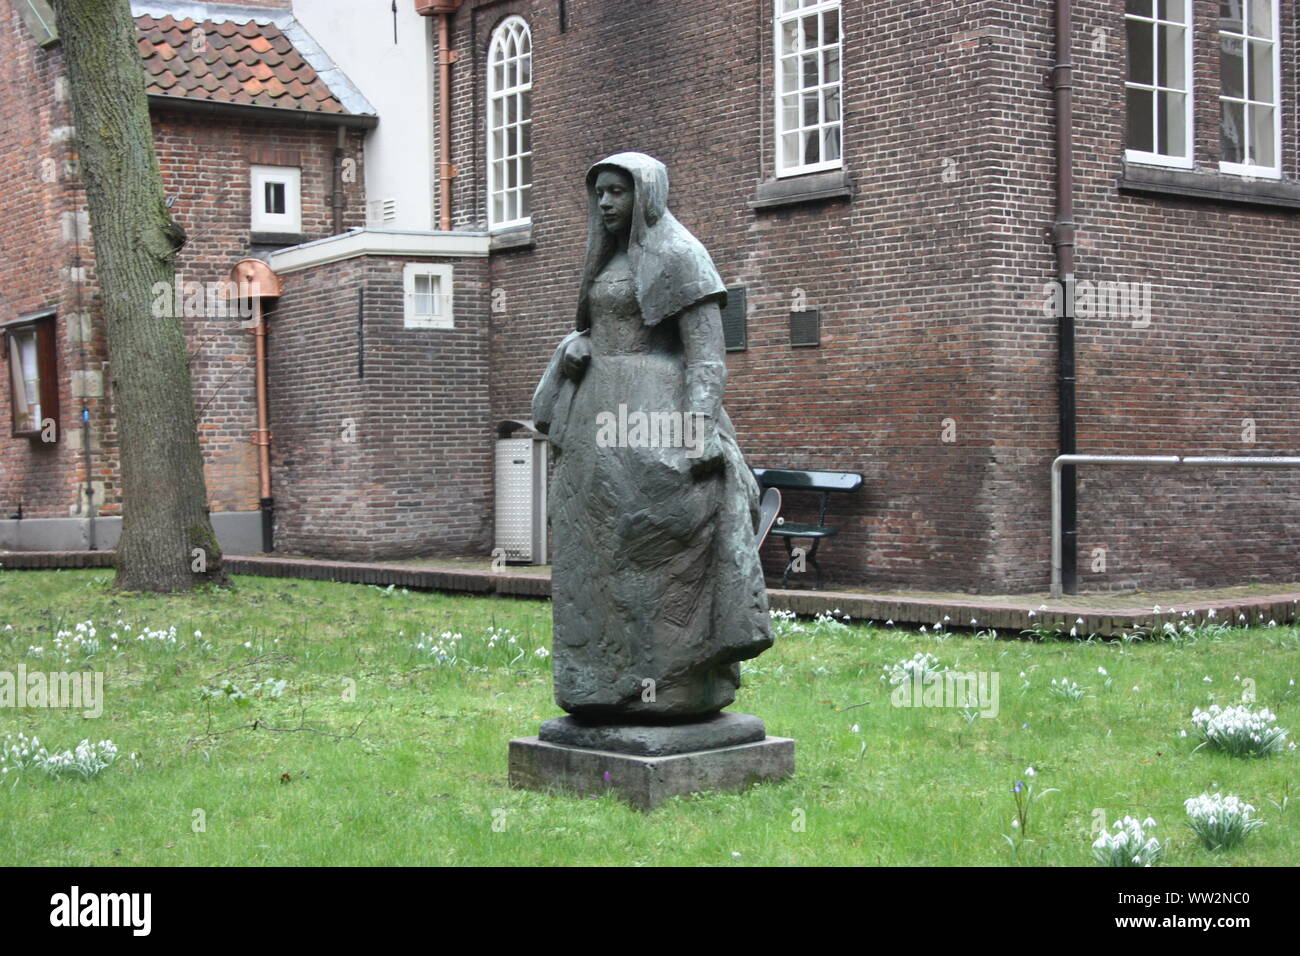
[{"x": 521, "y": 459}]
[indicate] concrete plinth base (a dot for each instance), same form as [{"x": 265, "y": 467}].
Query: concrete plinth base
[
  {"x": 646, "y": 782},
  {"x": 725, "y": 729}
]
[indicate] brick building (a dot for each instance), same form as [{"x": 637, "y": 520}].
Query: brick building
[{"x": 877, "y": 186}]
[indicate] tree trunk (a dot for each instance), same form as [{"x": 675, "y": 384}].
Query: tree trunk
[{"x": 167, "y": 542}]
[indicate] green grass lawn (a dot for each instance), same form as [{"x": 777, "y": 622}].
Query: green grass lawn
[{"x": 378, "y": 752}]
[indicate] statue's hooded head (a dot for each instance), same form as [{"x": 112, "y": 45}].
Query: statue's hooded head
[{"x": 671, "y": 271}]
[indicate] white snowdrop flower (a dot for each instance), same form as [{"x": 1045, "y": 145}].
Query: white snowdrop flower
[
  {"x": 1207, "y": 680},
  {"x": 1030, "y": 772},
  {"x": 1032, "y": 614},
  {"x": 855, "y": 729},
  {"x": 1211, "y": 613},
  {"x": 1022, "y": 673},
  {"x": 196, "y": 634},
  {"x": 248, "y": 643},
  {"x": 1136, "y": 688},
  {"x": 735, "y": 853},
  {"x": 1101, "y": 671},
  {"x": 889, "y": 624}
]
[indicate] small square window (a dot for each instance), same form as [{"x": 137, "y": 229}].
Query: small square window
[
  {"x": 276, "y": 196},
  {"x": 30, "y": 350},
  {"x": 427, "y": 294}
]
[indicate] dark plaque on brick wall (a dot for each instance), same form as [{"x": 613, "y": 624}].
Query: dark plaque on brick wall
[
  {"x": 805, "y": 328},
  {"x": 733, "y": 321}
]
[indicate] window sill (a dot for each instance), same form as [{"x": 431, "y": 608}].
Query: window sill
[
  {"x": 275, "y": 238},
  {"x": 1209, "y": 186},
  {"x": 814, "y": 187},
  {"x": 516, "y": 237}
]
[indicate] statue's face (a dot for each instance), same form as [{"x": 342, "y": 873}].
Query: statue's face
[{"x": 614, "y": 198}]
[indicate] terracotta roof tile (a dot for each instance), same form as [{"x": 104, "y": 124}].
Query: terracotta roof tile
[{"x": 250, "y": 63}]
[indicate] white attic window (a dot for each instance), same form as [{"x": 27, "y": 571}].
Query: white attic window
[{"x": 276, "y": 199}]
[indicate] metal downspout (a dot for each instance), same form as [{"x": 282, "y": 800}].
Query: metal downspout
[{"x": 1063, "y": 241}]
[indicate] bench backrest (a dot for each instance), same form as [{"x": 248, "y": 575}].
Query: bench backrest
[{"x": 808, "y": 480}]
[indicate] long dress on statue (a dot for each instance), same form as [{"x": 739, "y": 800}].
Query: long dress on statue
[{"x": 657, "y": 587}]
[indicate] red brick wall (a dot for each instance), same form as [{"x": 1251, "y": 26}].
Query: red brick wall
[
  {"x": 204, "y": 163},
  {"x": 416, "y": 478},
  {"x": 929, "y": 280},
  {"x": 690, "y": 84},
  {"x": 205, "y": 166},
  {"x": 36, "y": 255},
  {"x": 1218, "y": 349}
]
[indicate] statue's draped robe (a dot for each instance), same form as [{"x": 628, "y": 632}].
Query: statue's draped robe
[{"x": 656, "y": 584}]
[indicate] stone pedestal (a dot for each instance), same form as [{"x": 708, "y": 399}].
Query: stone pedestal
[{"x": 647, "y": 764}]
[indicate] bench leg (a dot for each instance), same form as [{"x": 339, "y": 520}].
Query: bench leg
[
  {"x": 810, "y": 555},
  {"x": 812, "y": 559}
]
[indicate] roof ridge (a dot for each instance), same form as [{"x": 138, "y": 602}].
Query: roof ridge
[{"x": 217, "y": 12}]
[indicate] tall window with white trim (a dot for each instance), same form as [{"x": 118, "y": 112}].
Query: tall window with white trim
[
  {"x": 1159, "y": 82},
  {"x": 809, "y": 126},
  {"x": 509, "y": 124},
  {"x": 1250, "y": 121}
]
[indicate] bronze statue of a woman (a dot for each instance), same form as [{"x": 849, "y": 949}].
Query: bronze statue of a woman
[{"x": 657, "y": 588}]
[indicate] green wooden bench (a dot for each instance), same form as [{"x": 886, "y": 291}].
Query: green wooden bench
[{"x": 824, "y": 483}]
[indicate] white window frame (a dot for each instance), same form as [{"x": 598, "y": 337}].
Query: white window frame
[
  {"x": 1189, "y": 89},
  {"x": 1248, "y": 168},
  {"x": 24, "y": 368},
  {"x": 512, "y": 28},
  {"x": 442, "y": 317},
  {"x": 801, "y": 9},
  {"x": 290, "y": 221}
]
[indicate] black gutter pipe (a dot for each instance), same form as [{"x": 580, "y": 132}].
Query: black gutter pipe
[{"x": 1063, "y": 241}]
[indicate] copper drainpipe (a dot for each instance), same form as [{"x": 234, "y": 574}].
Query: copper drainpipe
[
  {"x": 446, "y": 57},
  {"x": 254, "y": 281}
]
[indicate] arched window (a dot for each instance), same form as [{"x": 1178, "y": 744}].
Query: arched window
[{"x": 509, "y": 124}]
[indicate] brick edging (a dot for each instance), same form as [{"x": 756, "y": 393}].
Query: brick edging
[{"x": 1282, "y": 608}]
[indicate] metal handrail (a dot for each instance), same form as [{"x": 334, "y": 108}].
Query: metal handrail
[{"x": 1201, "y": 461}]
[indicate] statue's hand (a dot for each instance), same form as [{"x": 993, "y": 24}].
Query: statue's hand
[
  {"x": 577, "y": 356},
  {"x": 707, "y": 455}
]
